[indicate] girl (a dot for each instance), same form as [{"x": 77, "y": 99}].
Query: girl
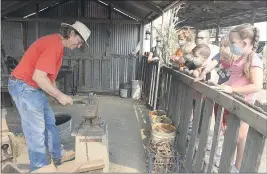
[
  {"x": 246, "y": 76},
  {"x": 185, "y": 36}
]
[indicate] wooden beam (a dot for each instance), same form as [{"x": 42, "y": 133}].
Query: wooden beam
[
  {"x": 27, "y": 0},
  {"x": 253, "y": 16},
  {"x": 198, "y": 15},
  {"x": 227, "y": 4},
  {"x": 71, "y": 20},
  {"x": 148, "y": 5},
  {"x": 155, "y": 5},
  {"x": 15, "y": 7},
  {"x": 122, "y": 10},
  {"x": 172, "y": 5}
]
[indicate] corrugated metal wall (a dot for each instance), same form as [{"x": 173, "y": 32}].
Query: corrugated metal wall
[
  {"x": 124, "y": 37},
  {"x": 12, "y": 38},
  {"x": 101, "y": 74},
  {"x": 97, "y": 73}
]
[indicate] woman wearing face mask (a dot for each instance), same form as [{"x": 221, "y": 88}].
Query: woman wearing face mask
[
  {"x": 184, "y": 36},
  {"x": 246, "y": 76}
]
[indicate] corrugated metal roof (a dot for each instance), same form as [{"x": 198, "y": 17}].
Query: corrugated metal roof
[
  {"x": 201, "y": 14},
  {"x": 141, "y": 10}
]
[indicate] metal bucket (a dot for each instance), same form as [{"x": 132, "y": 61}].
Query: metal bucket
[
  {"x": 63, "y": 123},
  {"x": 136, "y": 89},
  {"x": 125, "y": 90}
]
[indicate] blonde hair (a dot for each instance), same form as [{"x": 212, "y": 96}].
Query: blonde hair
[
  {"x": 188, "y": 47},
  {"x": 248, "y": 31},
  {"x": 187, "y": 34}
]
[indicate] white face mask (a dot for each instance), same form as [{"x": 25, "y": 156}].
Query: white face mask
[
  {"x": 197, "y": 61},
  {"x": 188, "y": 57},
  {"x": 181, "y": 42}
]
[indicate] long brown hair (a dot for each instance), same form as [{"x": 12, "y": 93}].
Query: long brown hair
[{"x": 248, "y": 31}]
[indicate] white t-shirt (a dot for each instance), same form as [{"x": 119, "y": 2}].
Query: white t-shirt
[
  {"x": 214, "y": 50},
  {"x": 146, "y": 45}
]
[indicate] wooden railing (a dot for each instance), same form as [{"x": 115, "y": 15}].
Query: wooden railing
[{"x": 176, "y": 94}]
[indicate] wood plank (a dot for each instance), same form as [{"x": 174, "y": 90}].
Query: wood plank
[
  {"x": 46, "y": 169},
  {"x": 216, "y": 137},
  {"x": 188, "y": 105},
  {"x": 207, "y": 114},
  {"x": 91, "y": 166},
  {"x": 229, "y": 144},
  {"x": 173, "y": 101},
  {"x": 253, "y": 150},
  {"x": 157, "y": 85},
  {"x": 193, "y": 137},
  {"x": 178, "y": 96},
  {"x": 182, "y": 116},
  {"x": 69, "y": 167},
  {"x": 168, "y": 88},
  {"x": 252, "y": 117},
  {"x": 70, "y": 20}
]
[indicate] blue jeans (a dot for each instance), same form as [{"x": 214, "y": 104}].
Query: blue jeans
[{"x": 38, "y": 123}]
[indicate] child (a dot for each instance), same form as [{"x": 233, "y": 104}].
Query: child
[
  {"x": 195, "y": 66},
  {"x": 187, "y": 54},
  {"x": 224, "y": 59},
  {"x": 185, "y": 35},
  {"x": 246, "y": 76}
]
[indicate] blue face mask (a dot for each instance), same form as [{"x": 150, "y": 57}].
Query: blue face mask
[{"x": 236, "y": 50}]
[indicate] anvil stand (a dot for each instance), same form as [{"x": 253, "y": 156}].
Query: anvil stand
[{"x": 91, "y": 136}]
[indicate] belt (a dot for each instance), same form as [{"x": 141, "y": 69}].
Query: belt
[{"x": 12, "y": 78}]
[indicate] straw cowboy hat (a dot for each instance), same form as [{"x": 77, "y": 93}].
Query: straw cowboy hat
[{"x": 81, "y": 29}]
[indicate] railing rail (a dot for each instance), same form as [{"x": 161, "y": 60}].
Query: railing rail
[{"x": 177, "y": 91}]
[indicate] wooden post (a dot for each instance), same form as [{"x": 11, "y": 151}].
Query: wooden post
[
  {"x": 217, "y": 30},
  {"x": 253, "y": 16},
  {"x": 37, "y": 24},
  {"x": 151, "y": 34},
  {"x": 141, "y": 40}
]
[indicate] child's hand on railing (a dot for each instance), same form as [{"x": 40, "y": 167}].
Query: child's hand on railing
[{"x": 223, "y": 88}]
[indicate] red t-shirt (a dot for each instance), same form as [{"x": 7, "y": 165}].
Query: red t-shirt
[{"x": 44, "y": 54}]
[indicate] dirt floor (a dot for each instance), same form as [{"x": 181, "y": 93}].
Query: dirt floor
[{"x": 126, "y": 132}]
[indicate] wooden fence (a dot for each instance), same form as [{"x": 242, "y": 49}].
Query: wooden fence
[{"x": 176, "y": 94}]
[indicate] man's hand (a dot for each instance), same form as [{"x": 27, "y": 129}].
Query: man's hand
[{"x": 65, "y": 100}]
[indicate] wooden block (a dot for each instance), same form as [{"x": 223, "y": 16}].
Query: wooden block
[
  {"x": 10, "y": 168},
  {"x": 47, "y": 169},
  {"x": 92, "y": 165},
  {"x": 69, "y": 167},
  {"x": 95, "y": 151}
]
